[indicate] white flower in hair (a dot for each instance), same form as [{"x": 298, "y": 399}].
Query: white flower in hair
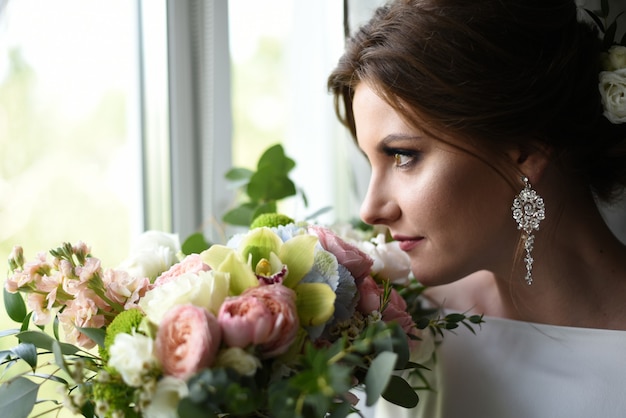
[{"x": 613, "y": 84}]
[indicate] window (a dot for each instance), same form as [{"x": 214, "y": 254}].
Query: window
[{"x": 69, "y": 142}]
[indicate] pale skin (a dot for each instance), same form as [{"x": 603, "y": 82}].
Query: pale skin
[{"x": 452, "y": 213}]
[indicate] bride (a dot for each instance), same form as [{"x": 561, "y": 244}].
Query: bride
[{"x": 492, "y": 129}]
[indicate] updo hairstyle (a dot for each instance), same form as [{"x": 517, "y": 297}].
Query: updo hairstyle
[{"x": 496, "y": 72}]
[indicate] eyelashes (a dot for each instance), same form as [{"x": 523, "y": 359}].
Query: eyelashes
[{"x": 403, "y": 159}]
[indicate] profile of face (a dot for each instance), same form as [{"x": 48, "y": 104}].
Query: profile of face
[{"x": 450, "y": 210}]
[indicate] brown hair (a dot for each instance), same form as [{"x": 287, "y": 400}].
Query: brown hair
[{"x": 495, "y": 71}]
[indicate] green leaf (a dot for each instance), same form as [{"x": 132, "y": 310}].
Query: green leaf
[
  {"x": 275, "y": 157},
  {"x": 238, "y": 174},
  {"x": 45, "y": 341},
  {"x": 58, "y": 357},
  {"x": 27, "y": 352},
  {"x": 596, "y": 19},
  {"x": 17, "y": 398},
  {"x": 26, "y": 322},
  {"x": 604, "y": 8},
  {"x": 15, "y": 306},
  {"x": 269, "y": 207},
  {"x": 609, "y": 35},
  {"x": 195, "y": 244},
  {"x": 378, "y": 375},
  {"x": 269, "y": 183},
  {"x": 400, "y": 392},
  {"x": 241, "y": 215},
  {"x": 7, "y": 332},
  {"x": 189, "y": 409},
  {"x": 96, "y": 334}
]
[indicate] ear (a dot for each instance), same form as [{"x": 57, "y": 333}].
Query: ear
[{"x": 531, "y": 160}]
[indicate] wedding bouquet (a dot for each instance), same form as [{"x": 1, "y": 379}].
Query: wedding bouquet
[{"x": 283, "y": 321}]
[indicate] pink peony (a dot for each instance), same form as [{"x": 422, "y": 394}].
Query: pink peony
[
  {"x": 350, "y": 256},
  {"x": 187, "y": 340},
  {"x": 190, "y": 264},
  {"x": 264, "y": 316}
]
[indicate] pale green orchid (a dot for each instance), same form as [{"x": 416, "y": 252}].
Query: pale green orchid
[{"x": 263, "y": 256}]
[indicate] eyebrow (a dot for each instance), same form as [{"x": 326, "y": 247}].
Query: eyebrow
[{"x": 391, "y": 139}]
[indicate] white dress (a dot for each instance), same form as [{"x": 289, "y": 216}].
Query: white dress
[{"x": 513, "y": 369}]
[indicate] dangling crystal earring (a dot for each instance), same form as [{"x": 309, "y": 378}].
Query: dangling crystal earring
[{"x": 528, "y": 211}]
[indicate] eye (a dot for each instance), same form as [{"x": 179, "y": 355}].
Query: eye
[{"x": 403, "y": 160}]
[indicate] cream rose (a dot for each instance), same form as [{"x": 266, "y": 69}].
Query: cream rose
[
  {"x": 132, "y": 355},
  {"x": 390, "y": 262},
  {"x": 239, "y": 360},
  {"x": 206, "y": 289},
  {"x": 613, "y": 93},
  {"x": 615, "y": 58},
  {"x": 164, "y": 403}
]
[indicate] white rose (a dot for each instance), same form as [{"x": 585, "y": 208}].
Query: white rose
[
  {"x": 238, "y": 359},
  {"x": 206, "y": 289},
  {"x": 169, "y": 392},
  {"x": 390, "y": 261},
  {"x": 132, "y": 355},
  {"x": 615, "y": 58},
  {"x": 153, "y": 253},
  {"x": 613, "y": 92}
]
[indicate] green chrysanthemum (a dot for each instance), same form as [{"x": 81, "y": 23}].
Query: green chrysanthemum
[
  {"x": 125, "y": 322},
  {"x": 271, "y": 220},
  {"x": 113, "y": 395}
]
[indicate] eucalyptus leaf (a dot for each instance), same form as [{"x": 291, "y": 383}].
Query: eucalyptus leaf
[
  {"x": 4, "y": 354},
  {"x": 96, "y": 334},
  {"x": 378, "y": 375},
  {"x": 55, "y": 328},
  {"x": 27, "y": 352},
  {"x": 189, "y": 409},
  {"x": 58, "y": 357},
  {"x": 14, "y": 305},
  {"x": 45, "y": 341},
  {"x": 8, "y": 332},
  {"x": 17, "y": 398},
  {"x": 26, "y": 322},
  {"x": 51, "y": 377},
  {"x": 400, "y": 393}
]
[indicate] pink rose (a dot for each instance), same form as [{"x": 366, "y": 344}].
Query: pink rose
[
  {"x": 190, "y": 264},
  {"x": 350, "y": 256},
  {"x": 369, "y": 295},
  {"x": 264, "y": 316},
  {"x": 187, "y": 340},
  {"x": 395, "y": 311}
]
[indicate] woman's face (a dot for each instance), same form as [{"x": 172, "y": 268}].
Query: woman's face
[{"x": 449, "y": 209}]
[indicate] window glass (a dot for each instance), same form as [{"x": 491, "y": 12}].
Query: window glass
[{"x": 69, "y": 150}]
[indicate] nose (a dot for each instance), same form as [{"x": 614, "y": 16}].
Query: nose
[{"x": 379, "y": 207}]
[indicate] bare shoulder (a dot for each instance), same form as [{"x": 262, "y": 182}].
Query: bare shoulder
[{"x": 475, "y": 294}]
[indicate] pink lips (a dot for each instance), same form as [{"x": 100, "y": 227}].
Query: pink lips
[{"x": 406, "y": 244}]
